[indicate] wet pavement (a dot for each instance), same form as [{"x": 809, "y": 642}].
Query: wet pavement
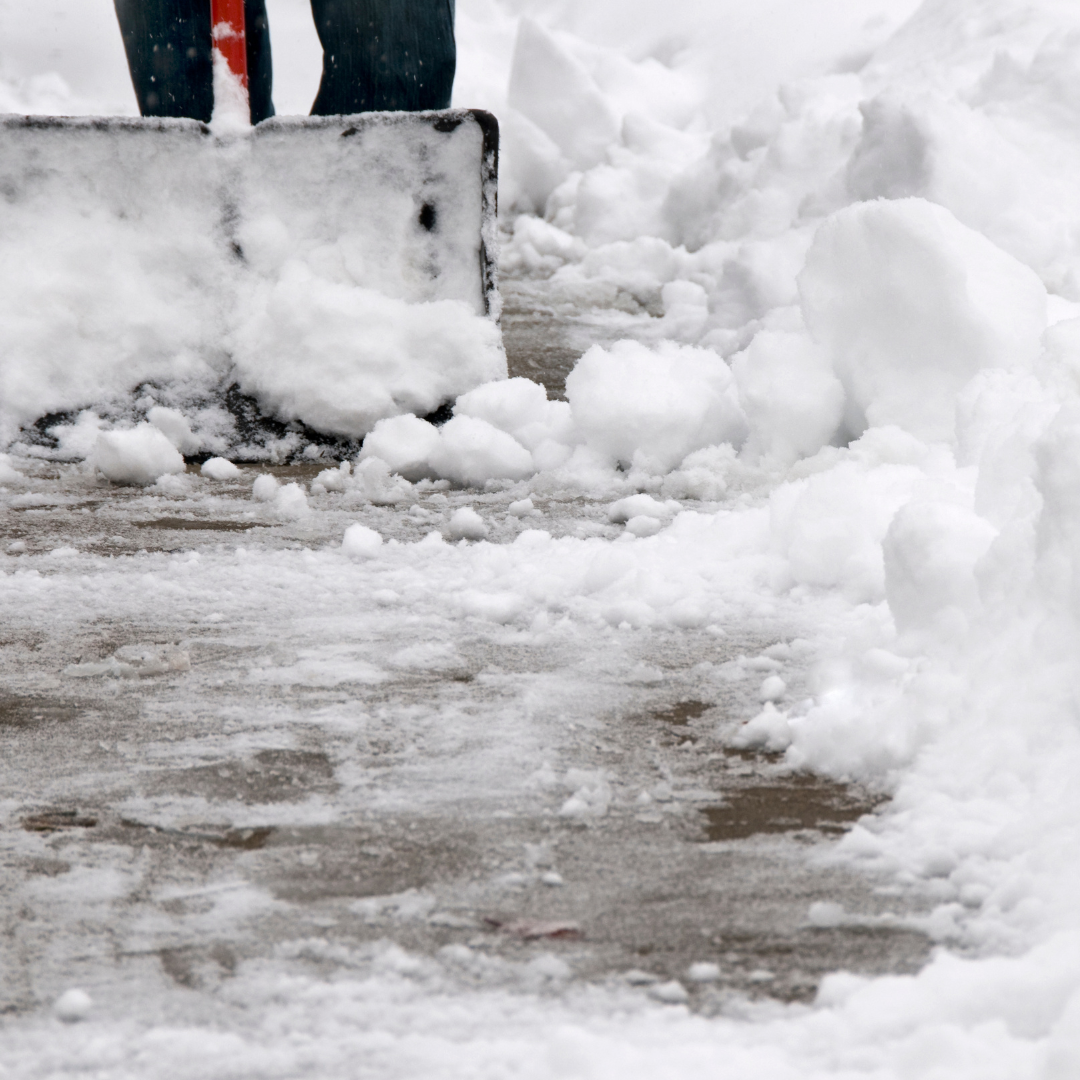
[{"x": 174, "y": 806}]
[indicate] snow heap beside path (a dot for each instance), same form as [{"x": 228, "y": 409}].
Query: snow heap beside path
[
  {"x": 903, "y": 306},
  {"x": 883, "y": 367}
]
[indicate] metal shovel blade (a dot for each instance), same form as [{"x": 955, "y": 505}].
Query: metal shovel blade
[{"x": 127, "y": 244}]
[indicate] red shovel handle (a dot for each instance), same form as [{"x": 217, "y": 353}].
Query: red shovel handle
[{"x": 230, "y": 35}]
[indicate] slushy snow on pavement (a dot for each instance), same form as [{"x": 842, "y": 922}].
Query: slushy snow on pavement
[{"x": 848, "y": 395}]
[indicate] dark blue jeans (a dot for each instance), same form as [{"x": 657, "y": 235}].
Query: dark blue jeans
[{"x": 394, "y": 55}]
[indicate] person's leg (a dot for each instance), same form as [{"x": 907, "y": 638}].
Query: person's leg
[
  {"x": 169, "y": 55},
  {"x": 393, "y": 55},
  {"x": 260, "y": 65}
]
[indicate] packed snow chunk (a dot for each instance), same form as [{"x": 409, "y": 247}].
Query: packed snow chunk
[
  {"x": 265, "y": 487},
  {"x": 830, "y": 526},
  {"x": 702, "y": 474},
  {"x": 174, "y": 426},
  {"x": 340, "y": 357},
  {"x": 291, "y": 503},
  {"x": 72, "y": 1006},
  {"x": 931, "y": 551},
  {"x": 332, "y": 479},
  {"x": 591, "y": 794},
  {"x": 703, "y": 971},
  {"x": 521, "y": 408},
  {"x": 218, "y": 468},
  {"x": 910, "y": 304},
  {"x": 9, "y": 474},
  {"x": 556, "y": 92},
  {"x": 406, "y": 443},
  {"x": 471, "y": 452},
  {"x": 532, "y": 166},
  {"x": 360, "y": 542},
  {"x": 773, "y": 688},
  {"x": 137, "y": 456},
  {"x": 669, "y": 993},
  {"x": 792, "y": 399},
  {"x": 686, "y": 310},
  {"x": 373, "y": 482},
  {"x": 522, "y": 508},
  {"x": 640, "y": 506},
  {"x": 650, "y": 408},
  {"x": 770, "y": 730},
  {"x": 643, "y": 526},
  {"x": 467, "y": 524}
]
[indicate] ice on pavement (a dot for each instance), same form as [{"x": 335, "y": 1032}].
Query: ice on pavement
[{"x": 853, "y": 366}]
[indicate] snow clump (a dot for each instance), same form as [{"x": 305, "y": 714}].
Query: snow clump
[
  {"x": 360, "y": 542},
  {"x": 72, "y": 1006},
  {"x": 174, "y": 426},
  {"x": 138, "y": 456},
  {"x": 217, "y": 468},
  {"x": 265, "y": 487},
  {"x": 466, "y": 524}
]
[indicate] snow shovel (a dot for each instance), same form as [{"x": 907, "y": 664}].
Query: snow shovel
[{"x": 133, "y": 250}]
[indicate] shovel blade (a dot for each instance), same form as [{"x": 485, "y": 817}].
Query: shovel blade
[{"x": 130, "y": 247}]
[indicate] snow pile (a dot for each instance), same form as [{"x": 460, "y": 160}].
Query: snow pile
[
  {"x": 910, "y": 305},
  {"x": 629, "y": 407},
  {"x": 466, "y": 524},
  {"x": 340, "y": 358},
  {"x": 903, "y": 305},
  {"x": 875, "y": 259},
  {"x": 645, "y": 408},
  {"x": 288, "y": 501}
]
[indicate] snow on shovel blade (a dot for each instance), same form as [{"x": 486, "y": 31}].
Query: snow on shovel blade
[{"x": 336, "y": 269}]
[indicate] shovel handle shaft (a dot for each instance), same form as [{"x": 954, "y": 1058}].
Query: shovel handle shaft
[{"x": 230, "y": 35}]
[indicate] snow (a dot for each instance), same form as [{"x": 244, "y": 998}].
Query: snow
[
  {"x": 138, "y": 456},
  {"x": 471, "y": 451},
  {"x": 217, "y": 468},
  {"x": 265, "y": 487},
  {"x": 360, "y": 542},
  {"x": 72, "y": 1006},
  {"x": 847, "y": 397},
  {"x": 910, "y": 305},
  {"x": 172, "y": 424},
  {"x": 232, "y": 113},
  {"x": 117, "y": 300}
]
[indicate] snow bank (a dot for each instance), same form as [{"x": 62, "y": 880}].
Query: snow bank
[
  {"x": 910, "y": 305},
  {"x": 864, "y": 271}
]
